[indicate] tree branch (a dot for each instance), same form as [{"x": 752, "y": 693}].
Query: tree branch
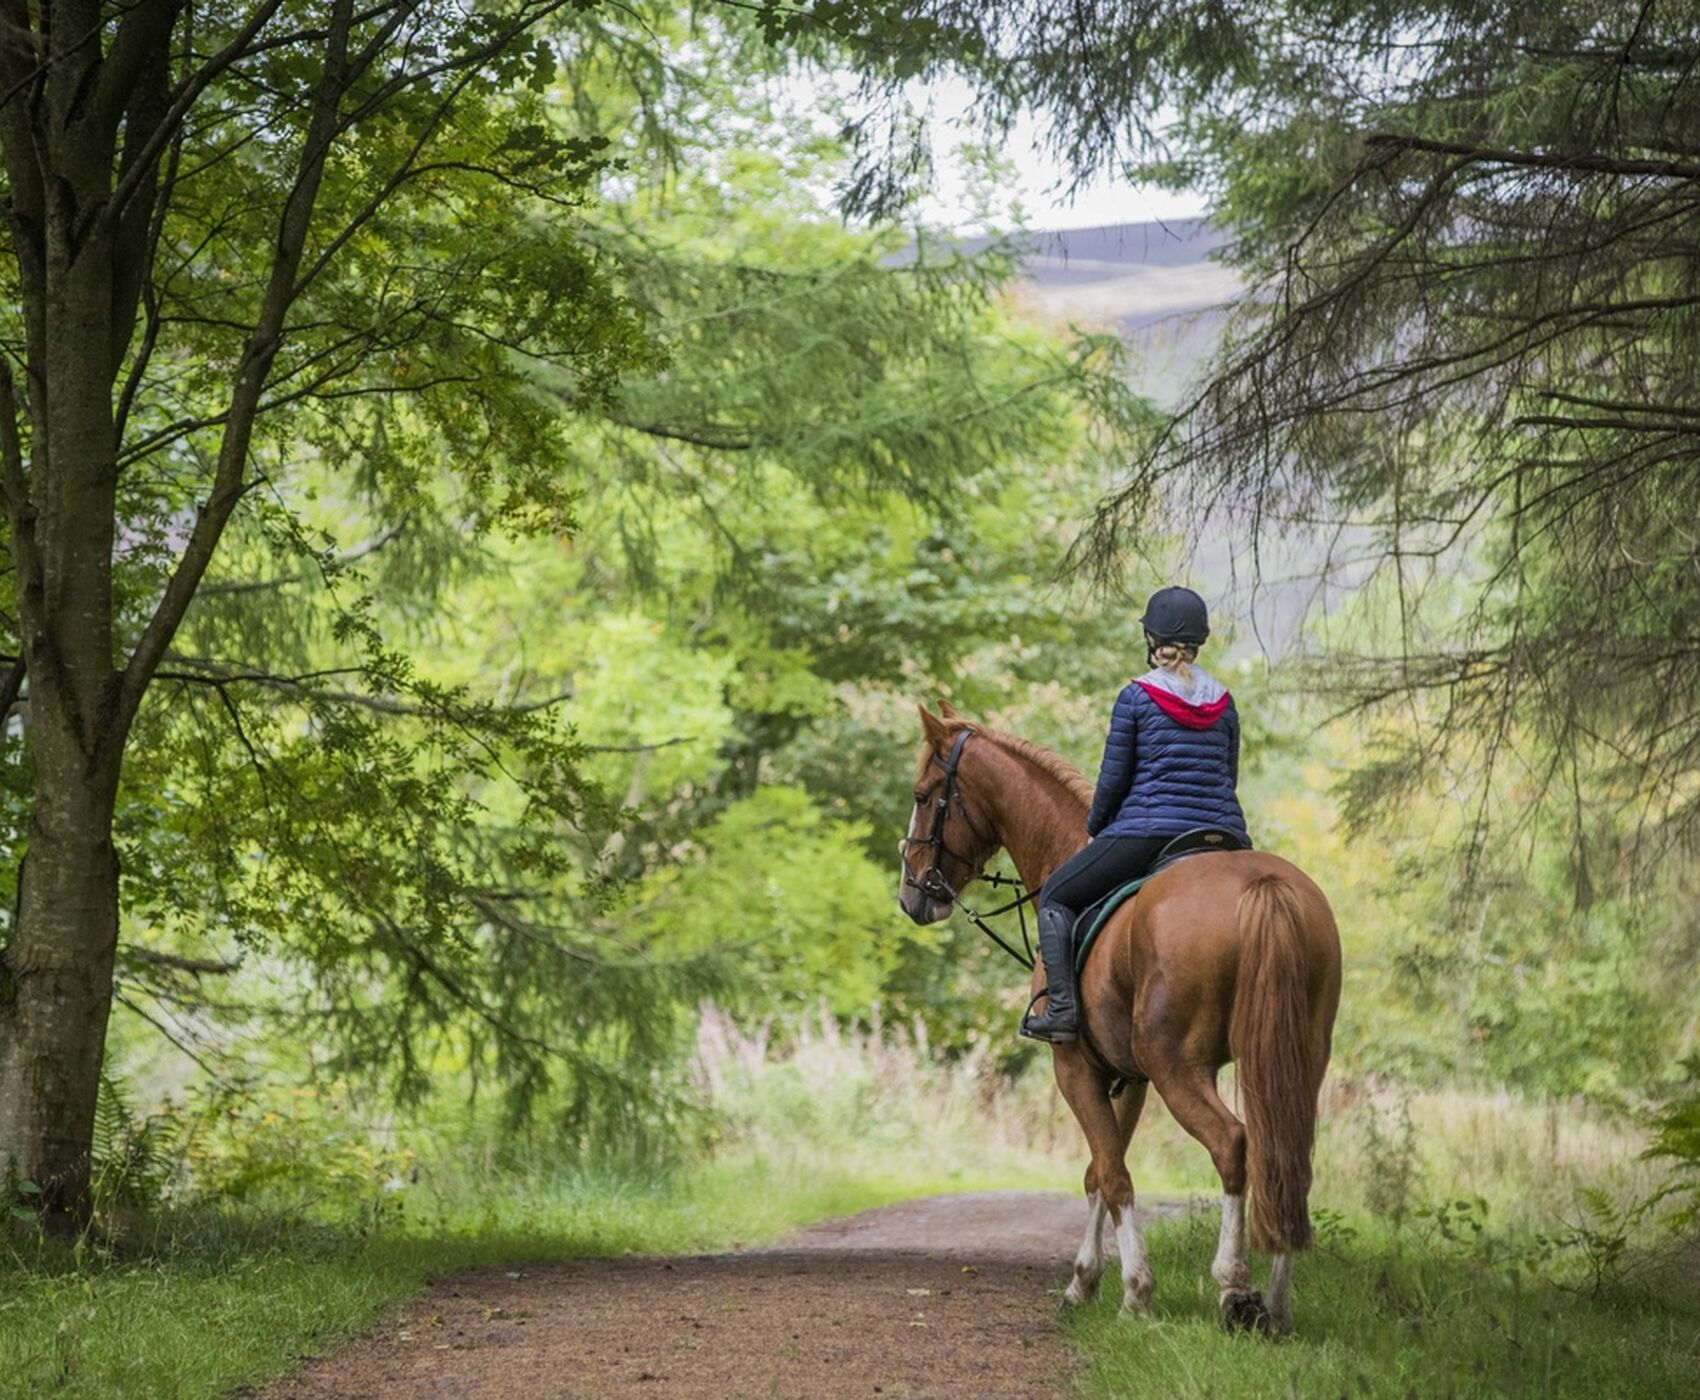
[
  {"x": 198, "y": 967},
  {"x": 1487, "y": 155},
  {"x": 164, "y": 1030},
  {"x": 186, "y": 95},
  {"x": 348, "y": 556},
  {"x": 144, "y": 29},
  {"x": 219, "y": 674},
  {"x": 251, "y": 373}
]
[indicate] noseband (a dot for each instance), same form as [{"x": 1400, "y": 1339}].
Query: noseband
[{"x": 932, "y": 883}]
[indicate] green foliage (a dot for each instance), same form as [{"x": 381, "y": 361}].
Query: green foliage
[
  {"x": 1391, "y": 1164},
  {"x": 135, "y": 1157},
  {"x": 793, "y": 898},
  {"x": 608, "y": 483}
]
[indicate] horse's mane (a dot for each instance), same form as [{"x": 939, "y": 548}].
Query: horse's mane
[{"x": 1075, "y": 782}]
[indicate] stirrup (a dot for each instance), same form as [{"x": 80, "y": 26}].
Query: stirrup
[{"x": 1033, "y": 1027}]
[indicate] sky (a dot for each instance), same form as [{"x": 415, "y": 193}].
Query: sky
[
  {"x": 1035, "y": 184},
  {"x": 1039, "y": 181}
]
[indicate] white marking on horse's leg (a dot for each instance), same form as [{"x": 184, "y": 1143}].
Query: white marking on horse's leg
[
  {"x": 1281, "y": 1294},
  {"x": 1137, "y": 1281},
  {"x": 1089, "y": 1262},
  {"x": 1230, "y": 1269}
]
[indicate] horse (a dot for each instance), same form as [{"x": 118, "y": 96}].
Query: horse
[{"x": 1227, "y": 956}]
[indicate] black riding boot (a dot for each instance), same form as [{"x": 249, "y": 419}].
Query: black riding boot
[{"x": 1056, "y": 947}]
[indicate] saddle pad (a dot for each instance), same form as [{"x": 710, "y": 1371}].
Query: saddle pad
[
  {"x": 1097, "y": 915},
  {"x": 1204, "y": 841}
]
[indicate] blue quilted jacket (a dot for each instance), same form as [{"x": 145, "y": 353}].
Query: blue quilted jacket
[{"x": 1172, "y": 760}]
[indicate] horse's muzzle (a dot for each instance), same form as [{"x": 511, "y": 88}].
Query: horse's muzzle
[{"x": 922, "y": 900}]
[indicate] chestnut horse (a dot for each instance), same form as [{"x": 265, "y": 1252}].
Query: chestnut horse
[{"x": 1225, "y": 956}]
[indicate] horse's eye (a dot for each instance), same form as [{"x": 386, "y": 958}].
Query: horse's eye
[{"x": 920, "y": 799}]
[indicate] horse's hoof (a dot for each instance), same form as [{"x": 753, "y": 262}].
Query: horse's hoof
[
  {"x": 1080, "y": 1290},
  {"x": 1136, "y": 1295},
  {"x": 1243, "y": 1311}
]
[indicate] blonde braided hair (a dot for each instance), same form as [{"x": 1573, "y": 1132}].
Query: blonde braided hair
[{"x": 1175, "y": 657}]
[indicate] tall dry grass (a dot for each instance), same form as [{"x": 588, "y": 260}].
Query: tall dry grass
[{"x": 880, "y": 1101}]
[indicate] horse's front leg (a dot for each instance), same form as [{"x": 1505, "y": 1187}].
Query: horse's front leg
[
  {"x": 1089, "y": 1262},
  {"x": 1108, "y": 1126}
]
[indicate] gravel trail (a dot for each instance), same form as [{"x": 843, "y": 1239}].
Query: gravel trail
[
  {"x": 945, "y": 1296},
  {"x": 942, "y": 1297}
]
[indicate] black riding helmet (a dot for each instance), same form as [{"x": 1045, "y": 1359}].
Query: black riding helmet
[{"x": 1177, "y": 615}]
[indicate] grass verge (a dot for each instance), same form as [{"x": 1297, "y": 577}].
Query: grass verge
[{"x": 1378, "y": 1315}]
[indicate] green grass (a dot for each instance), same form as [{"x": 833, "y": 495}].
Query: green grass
[
  {"x": 226, "y": 1300},
  {"x": 1382, "y": 1317}
]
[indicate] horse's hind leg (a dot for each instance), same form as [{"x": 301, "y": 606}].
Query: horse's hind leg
[
  {"x": 1281, "y": 1294},
  {"x": 1088, "y": 1093},
  {"x": 1089, "y": 1262},
  {"x": 1191, "y": 1096}
]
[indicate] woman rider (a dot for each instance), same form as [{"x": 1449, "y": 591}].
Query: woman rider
[{"x": 1171, "y": 764}]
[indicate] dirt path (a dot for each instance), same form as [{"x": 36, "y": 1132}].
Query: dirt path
[{"x": 949, "y": 1296}]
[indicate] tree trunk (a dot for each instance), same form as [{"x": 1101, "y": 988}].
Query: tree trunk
[
  {"x": 79, "y": 206},
  {"x": 56, "y": 972},
  {"x": 56, "y": 981},
  {"x": 56, "y": 969}
]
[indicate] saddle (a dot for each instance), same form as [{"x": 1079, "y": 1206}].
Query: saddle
[{"x": 1198, "y": 841}]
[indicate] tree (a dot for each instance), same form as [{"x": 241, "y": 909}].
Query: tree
[
  {"x": 221, "y": 222},
  {"x": 1466, "y": 361},
  {"x": 1472, "y": 348}
]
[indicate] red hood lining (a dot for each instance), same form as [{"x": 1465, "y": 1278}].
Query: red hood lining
[{"x": 1185, "y": 712}]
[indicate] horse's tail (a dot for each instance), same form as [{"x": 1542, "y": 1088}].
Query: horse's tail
[{"x": 1273, "y": 1045}]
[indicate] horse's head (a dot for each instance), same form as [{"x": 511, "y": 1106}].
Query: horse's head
[{"x": 947, "y": 846}]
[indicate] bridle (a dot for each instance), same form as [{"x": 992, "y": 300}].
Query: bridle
[{"x": 932, "y": 882}]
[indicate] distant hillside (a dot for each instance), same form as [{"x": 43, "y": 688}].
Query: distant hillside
[
  {"x": 1158, "y": 287},
  {"x": 1156, "y": 284}
]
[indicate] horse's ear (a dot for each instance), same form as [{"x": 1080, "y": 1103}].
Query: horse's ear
[
  {"x": 947, "y": 709},
  {"x": 932, "y": 726}
]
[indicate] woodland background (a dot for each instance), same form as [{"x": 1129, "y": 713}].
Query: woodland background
[{"x": 507, "y": 831}]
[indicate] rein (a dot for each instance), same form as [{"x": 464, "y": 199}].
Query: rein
[{"x": 932, "y": 882}]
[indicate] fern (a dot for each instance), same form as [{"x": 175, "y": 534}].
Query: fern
[
  {"x": 134, "y": 1158},
  {"x": 1676, "y": 1139}
]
